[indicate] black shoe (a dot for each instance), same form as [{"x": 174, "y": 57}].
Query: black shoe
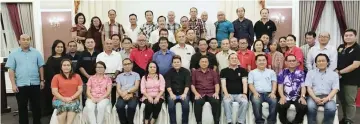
[
  {"x": 199, "y": 123},
  {"x": 237, "y": 123},
  {"x": 229, "y": 123},
  {"x": 347, "y": 122}
]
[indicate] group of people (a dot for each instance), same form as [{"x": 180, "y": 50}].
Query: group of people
[{"x": 189, "y": 63}]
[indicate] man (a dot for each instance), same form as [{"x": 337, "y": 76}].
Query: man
[
  {"x": 262, "y": 84},
  {"x": 195, "y": 59},
  {"x": 154, "y": 37},
  {"x": 224, "y": 28},
  {"x": 126, "y": 44},
  {"x": 127, "y": 87},
  {"x": 246, "y": 56},
  {"x": 291, "y": 88},
  {"x": 349, "y": 70},
  {"x": 325, "y": 48},
  {"x": 243, "y": 27},
  {"x": 209, "y": 26},
  {"x": 172, "y": 25},
  {"x": 26, "y": 73},
  {"x": 163, "y": 56},
  {"x": 196, "y": 24},
  {"x": 205, "y": 86},
  {"x": 133, "y": 30},
  {"x": 322, "y": 85},
  {"x": 141, "y": 55},
  {"x": 233, "y": 90},
  {"x": 223, "y": 55},
  {"x": 116, "y": 42},
  {"x": 184, "y": 21},
  {"x": 178, "y": 81},
  {"x": 310, "y": 42},
  {"x": 162, "y": 33},
  {"x": 112, "y": 27},
  {"x": 73, "y": 55},
  {"x": 184, "y": 50},
  {"x": 234, "y": 44},
  {"x": 264, "y": 25},
  {"x": 191, "y": 38},
  {"x": 149, "y": 26}
]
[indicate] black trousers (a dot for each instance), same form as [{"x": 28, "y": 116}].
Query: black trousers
[
  {"x": 46, "y": 100},
  {"x": 215, "y": 108},
  {"x": 152, "y": 108},
  {"x": 26, "y": 94},
  {"x": 300, "y": 111}
]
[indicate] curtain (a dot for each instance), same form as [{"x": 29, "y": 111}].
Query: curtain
[
  {"x": 340, "y": 15},
  {"x": 15, "y": 19},
  {"x": 352, "y": 15},
  {"x": 307, "y": 9},
  {"x": 26, "y": 20},
  {"x": 10, "y": 36},
  {"x": 92, "y": 8},
  {"x": 319, "y": 7}
]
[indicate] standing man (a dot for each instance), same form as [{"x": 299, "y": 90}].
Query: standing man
[
  {"x": 195, "y": 59},
  {"x": 133, "y": 30},
  {"x": 233, "y": 90},
  {"x": 163, "y": 56},
  {"x": 243, "y": 27},
  {"x": 149, "y": 26},
  {"x": 234, "y": 44},
  {"x": 348, "y": 67},
  {"x": 209, "y": 26},
  {"x": 73, "y": 55},
  {"x": 325, "y": 48},
  {"x": 172, "y": 25},
  {"x": 246, "y": 56},
  {"x": 262, "y": 84},
  {"x": 154, "y": 37},
  {"x": 291, "y": 88},
  {"x": 112, "y": 27},
  {"x": 310, "y": 38},
  {"x": 196, "y": 24},
  {"x": 223, "y": 55},
  {"x": 205, "y": 86},
  {"x": 224, "y": 28},
  {"x": 141, "y": 55},
  {"x": 26, "y": 74},
  {"x": 184, "y": 50},
  {"x": 264, "y": 25},
  {"x": 184, "y": 21}
]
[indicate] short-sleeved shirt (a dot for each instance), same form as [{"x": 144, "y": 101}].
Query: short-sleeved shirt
[
  {"x": 205, "y": 82},
  {"x": 233, "y": 78},
  {"x": 26, "y": 66},
  {"x": 223, "y": 58},
  {"x": 66, "y": 87},
  {"x": 112, "y": 28},
  {"x": 268, "y": 28},
  {"x": 223, "y": 30},
  {"x": 141, "y": 57},
  {"x": 178, "y": 80},
  {"x": 154, "y": 37},
  {"x": 163, "y": 60},
  {"x": 113, "y": 61},
  {"x": 185, "y": 54},
  {"x": 195, "y": 59},
  {"x": 127, "y": 80},
  {"x": 322, "y": 83},
  {"x": 173, "y": 27},
  {"x": 346, "y": 56},
  {"x": 74, "y": 60},
  {"x": 148, "y": 28},
  {"x": 198, "y": 26},
  {"x": 292, "y": 82},
  {"x": 262, "y": 79},
  {"x": 124, "y": 54},
  {"x": 87, "y": 61},
  {"x": 98, "y": 85},
  {"x": 246, "y": 58},
  {"x": 152, "y": 86}
]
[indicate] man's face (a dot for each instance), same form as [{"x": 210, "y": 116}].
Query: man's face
[
  {"x": 264, "y": 14},
  {"x": 171, "y": 16},
  {"x": 184, "y": 22},
  {"x": 25, "y": 41},
  {"x": 176, "y": 63},
  {"x": 149, "y": 16},
  {"x": 72, "y": 47},
  {"x": 132, "y": 19},
  {"x": 240, "y": 12},
  {"x": 193, "y": 12},
  {"x": 234, "y": 43},
  {"x": 127, "y": 65},
  {"x": 233, "y": 59},
  {"x": 321, "y": 62},
  {"x": 112, "y": 15},
  {"x": 310, "y": 39},
  {"x": 181, "y": 37},
  {"x": 141, "y": 40},
  {"x": 116, "y": 41},
  {"x": 225, "y": 45},
  {"x": 203, "y": 45},
  {"x": 261, "y": 62},
  {"x": 163, "y": 34},
  {"x": 126, "y": 44},
  {"x": 163, "y": 44},
  {"x": 204, "y": 63},
  {"x": 90, "y": 43},
  {"x": 349, "y": 37},
  {"x": 109, "y": 45},
  {"x": 243, "y": 44},
  {"x": 204, "y": 16},
  {"x": 191, "y": 34},
  {"x": 221, "y": 16},
  {"x": 291, "y": 62},
  {"x": 161, "y": 23},
  {"x": 324, "y": 38}
]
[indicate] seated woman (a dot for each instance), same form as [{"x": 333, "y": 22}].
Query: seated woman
[
  {"x": 66, "y": 88},
  {"x": 98, "y": 91},
  {"x": 152, "y": 87}
]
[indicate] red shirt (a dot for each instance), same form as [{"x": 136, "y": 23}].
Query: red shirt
[
  {"x": 205, "y": 82},
  {"x": 298, "y": 54},
  {"x": 141, "y": 57},
  {"x": 247, "y": 58},
  {"x": 66, "y": 87}
]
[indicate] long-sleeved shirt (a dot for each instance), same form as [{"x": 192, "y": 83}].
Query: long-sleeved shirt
[
  {"x": 178, "y": 80},
  {"x": 204, "y": 82},
  {"x": 322, "y": 83},
  {"x": 210, "y": 30},
  {"x": 298, "y": 54},
  {"x": 244, "y": 29},
  {"x": 154, "y": 37},
  {"x": 152, "y": 86},
  {"x": 330, "y": 51}
]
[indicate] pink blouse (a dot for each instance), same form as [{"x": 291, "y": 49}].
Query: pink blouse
[
  {"x": 98, "y": 85},
  {"x": 298, "y": 54},
  {"x": 152, "y": 86}
]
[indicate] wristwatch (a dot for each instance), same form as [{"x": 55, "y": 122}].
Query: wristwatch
[
  {"x": 128, "y": 91},
  {"x": 303, "y": 96}
]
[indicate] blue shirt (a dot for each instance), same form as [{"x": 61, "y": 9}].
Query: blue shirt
[
  {"x": 163, "y": 60},
  {"x": 322, "y": 83},
  {"x": 26, "y": 66},
  {"x": 126, "y": 80},
  {"x": 262, "y": 80},
  {"x": 292, "y": 83},
  {"x": 223, "y": 30}
]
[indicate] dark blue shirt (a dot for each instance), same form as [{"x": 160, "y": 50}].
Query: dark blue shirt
[
  {"x": 244, "y": 29},
  {"x": 163, "y": 60}
]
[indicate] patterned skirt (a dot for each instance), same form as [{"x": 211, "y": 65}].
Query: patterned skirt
[{"x": 66, "y": 107}]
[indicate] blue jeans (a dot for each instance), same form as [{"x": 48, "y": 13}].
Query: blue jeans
[
  {"x": 131, "y": 109},
  {"x": 257, "y": 108},
  {"x": 243, "y": 106},
  {"x": 172, "y": 109},
  {"x": 329, "y": 111}
]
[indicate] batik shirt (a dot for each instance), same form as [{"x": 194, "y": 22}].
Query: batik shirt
[{"x": 292, "y": 82}]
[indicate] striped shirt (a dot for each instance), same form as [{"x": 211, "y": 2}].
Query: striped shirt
[
  {"x": 173, "y": 27},
  {"x": 110, "y": 29},
  {"x": 147, "y": 29},
  {"x": 198, "y": 26}
]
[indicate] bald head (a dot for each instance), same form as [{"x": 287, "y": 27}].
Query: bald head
[
  {"x": 204, "y": 16},
  {"x": 24, "y": 41},
  {"x": 141, "y": 41},
  {"x": 221, "y": 16},
  {"x": 324, "y": 38},
  {"x": 171, "y": 16}
]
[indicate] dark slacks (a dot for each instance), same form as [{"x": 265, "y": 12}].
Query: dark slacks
[
  {"x": 153, "y": 109},
  {"x": 26, "y": 94},
  {"x": 126, "y": 117},
  {"x": 215, "y": 108},
  {"x": 300, "y": 111}
]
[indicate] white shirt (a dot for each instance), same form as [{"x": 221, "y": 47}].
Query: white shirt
[
  {"x": 113, "y": 61},
  {"x": 132, "y": 34},
  {"x": 210, "y": 30},
  {"x": 329, "y": 50},
  {"x": 223, "y": 59},
  {"x": 185, "y": 54},
  {"x": 154, "y": 37}
]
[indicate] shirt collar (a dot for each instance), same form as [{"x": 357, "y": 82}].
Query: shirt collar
[
  {"x": 30, "y": 49},
  {"x": 246, "y": 52},
  {"x": 160, "y": 52},
  {"x": 115, "y": 23},
  {"x": 318, "y": 70},
  {"x": 199, "y": 70},
  {"x": 127, "y": 73}
]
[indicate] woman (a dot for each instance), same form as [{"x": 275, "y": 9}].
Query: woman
[
  {"x": 293, "y": 49},
  {"x": 66, "y": 88},
  {"x": 152, "y": 88},
  {"x": 52, "y": 67},
  {"x": 258, "y": 47},
  {"x": 282, "y": 45},
  {"x": 78, "y": 31},
  {"x": 265, "y": 39},
  {"x": 95, "y": 31},
  {"x": 213, "y": 46},
  {"x": 276, "y": 59}
]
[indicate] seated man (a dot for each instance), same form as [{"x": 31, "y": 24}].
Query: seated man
[
  {"x": 262, "y": 84},
  {"x": 291, "y": 87},
  {"x": 234, "y": 91},
  {"x": 205, "y": 86},
  {"x": 127, "y": 87},
  {"x": 322, "y": 85}
]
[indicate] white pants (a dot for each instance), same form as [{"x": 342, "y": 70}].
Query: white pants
[{"x": 100, "y": 107}]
